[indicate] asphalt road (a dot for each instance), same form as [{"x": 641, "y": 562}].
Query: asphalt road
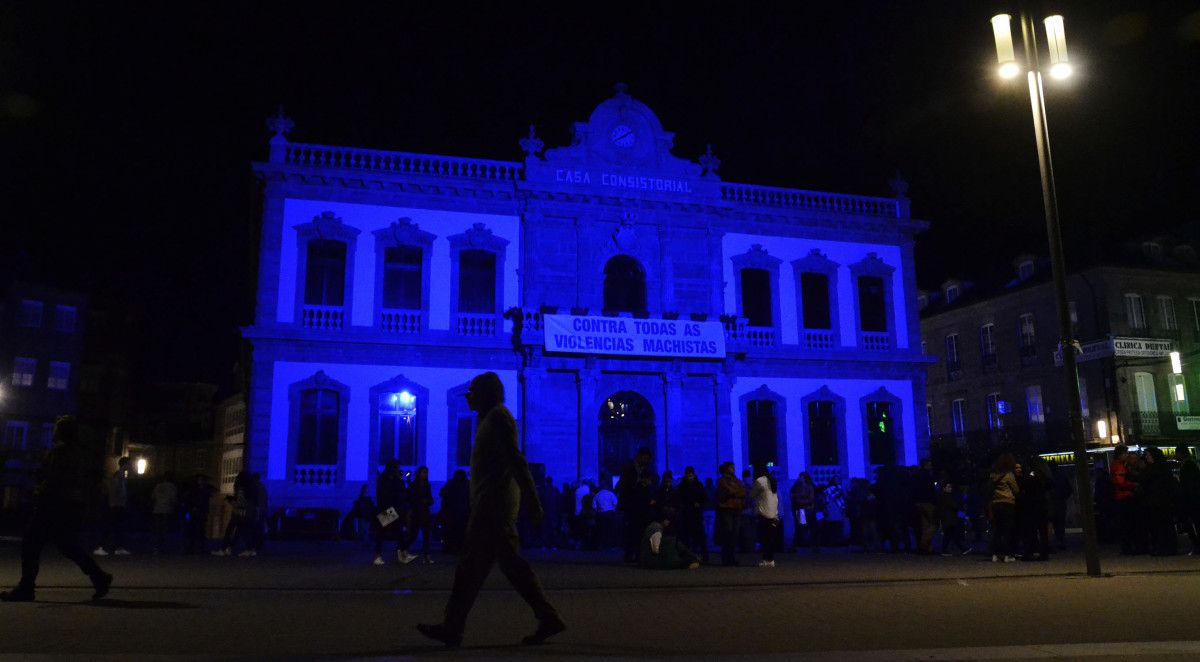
[{"x": 839, "y": 606}]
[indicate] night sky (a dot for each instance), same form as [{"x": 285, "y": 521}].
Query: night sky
[{"x": 128, "y": 132}]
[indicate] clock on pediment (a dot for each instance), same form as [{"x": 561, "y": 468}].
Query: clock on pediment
[{"x": 622, "y": 136}]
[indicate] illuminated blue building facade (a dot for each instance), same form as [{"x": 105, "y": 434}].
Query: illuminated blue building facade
[{"x": 625, "y": 296}]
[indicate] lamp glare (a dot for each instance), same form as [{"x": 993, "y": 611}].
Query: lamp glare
[
  {"x": 1002, "y": 30},
  {"x": 1061, "y": 70},
  {"x": 1180, "y": 395},
  {"x": 1102, "y": 428},
  {"x": 1009, "y": 70},
  {"x": 1176, "y": 364}
]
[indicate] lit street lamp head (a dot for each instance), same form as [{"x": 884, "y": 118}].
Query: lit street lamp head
[{"x": 1002, "y": 29}]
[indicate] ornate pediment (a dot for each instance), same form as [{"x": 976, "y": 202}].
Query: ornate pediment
[
  {"x": 404, "y": 232},
  {"x": 872, "y": 264},
  {"x": 478, "y": 236},
  {"x": 328, "y": 225}
]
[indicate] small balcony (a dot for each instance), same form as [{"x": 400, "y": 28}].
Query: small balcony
[
  {"x": 876, "y": 341},
  {"x": 315, "y": 475},
  {"x": 323, "y": 318},
  {"x": 1147, "y": 423},
  {"x": 396, "y": 320},
  {"x": 821, "y": 339},
  {"x": 477, "y": 325},
  {"x": 737, "y": 330}
]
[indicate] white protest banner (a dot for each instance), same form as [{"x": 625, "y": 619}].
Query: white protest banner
[{"x": 624, "y": 336}]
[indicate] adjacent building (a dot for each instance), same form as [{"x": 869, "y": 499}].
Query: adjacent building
[
  {"x": 998, "y": 377},
  {"x": 41, "y": 345},
  {"x": 626, "y": 297}
]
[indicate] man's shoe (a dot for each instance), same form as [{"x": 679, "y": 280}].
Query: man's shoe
[
  {"x": 404, "y": 557},
  {"x": 246, "y": 553},
  {"x": 99, "y": 551},
  {"x": 221, "y": 552},
  {"x": 18, "y": 594},
  {"x": 440, "y": 633},
  {"x": 545, "y": 630},
  {"x": 693, "y": 565},
  {"x": 121, "y": 551},
  {"x": 378, "y": 560},
  {"x": 102, "y": 583}
]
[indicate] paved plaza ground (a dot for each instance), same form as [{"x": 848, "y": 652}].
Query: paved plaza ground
[{"x": 323, "y": 600}]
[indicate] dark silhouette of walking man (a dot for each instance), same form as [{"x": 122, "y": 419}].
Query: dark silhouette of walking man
[
  {"x": 59, "y": 498},
  {"x": 500, "y": 477}
]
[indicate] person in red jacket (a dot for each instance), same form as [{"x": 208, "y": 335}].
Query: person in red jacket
[{"x": 1125, "y": 495}]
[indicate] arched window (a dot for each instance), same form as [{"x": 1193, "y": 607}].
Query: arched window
[
  {"x": 762, "y": 432},
  {"x": 624, "y": 285},
  {"x": 398, "y": 427},
  {"x": 881, "y": 432},
  {"x": 626, "y": 424},
  {"x": 476, "y": 281},
  {"x": 325, "y": 273},
  {"x": 814, "y": 295},
  {"x": 872, "y": 304},
  {"x": 822, "y": 433},
  {"x": 320, "y": 410},
  {"x": 756, "y": 297}
]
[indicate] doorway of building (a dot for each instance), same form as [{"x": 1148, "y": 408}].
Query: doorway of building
[{"x": 626, "y": 424}]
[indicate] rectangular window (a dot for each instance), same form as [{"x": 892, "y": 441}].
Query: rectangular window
[
  {"x": 1166, "y": 313},
  {"x": 402, "y": 277},
  {"x": 814, "y": 292},
  {"x": 872, "y": 309},
  {"x": 16, "y": 435},
  {"x": 1083, "y": 397},
  {"x": 756, "y": 297},
  {"x": 952, "y": 350},
  {"x": 958, "y": 417},
  {"x": 64, "y": 319},
  {"x": 881, "y": 433},
  {"x": 24, "y": 369},
  {"x": 1028, "y": 332},
  {"x": 1135, "y": 313},
  {"x": 1033, "y": 405},
  {"x": 30, "y": 314},
  {"x": 60, "y": 376},
  {"x": 987, "y": 343},
  {"x": 325, "y": 273},
  {"x": 476, "y": 281},
  {"x": 822, "y": 433},
  {"x": 1179, "y": 399},
  {"x": 995, "y": 415},
  {"x": 320, "y": 410}
]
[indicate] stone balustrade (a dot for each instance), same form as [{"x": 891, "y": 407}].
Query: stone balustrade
[
  {"x": 876, "y": 341},
  {"x": 817, "y": 338},
  {"x": 478, "y": 325},
  {"x": 323, "y": 318},
  {"x": 350, "y": 158},
  {"x": 397, "y": 320},
  {"x": 318, "y": 475},
  {"x": 768, "y": 196}
]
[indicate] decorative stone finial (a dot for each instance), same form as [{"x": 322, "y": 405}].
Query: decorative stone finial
[
  {"x": 899, "y": 185},
  {"x": 621, "y": 89},
  {"x": 280, "y": 124},
  {"x": 531, "y": 144},
  {"x": 709, "y": 163}
]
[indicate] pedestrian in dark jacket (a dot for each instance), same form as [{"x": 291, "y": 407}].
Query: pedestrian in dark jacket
[
  {"x": 1189, "y": 497},
  {"x": 500, "y": 481},
  {"x": 420, "y": 504},
  {"x": 925, "y": 497},
  {"x": 456, "y": 511},
  {"x": 691, "y": 500},
  {"x": 242, "y": 517},
  {"x": 197, "y": 502},
  {"x": 63, "y": 486},
  {"x": 391, "y": 498},
  {"x": 1003, "y": 507},
  {"x": 635, "y": 499},
  {"x": 1061, "y": 490},
  {"x": 949, "y": 507},
  {"x": 1159, "y": 493},
  {"x": 1033, "y": 512},
  {"x": 804, "y": 512},
  {"x": 731, "y": 499}
]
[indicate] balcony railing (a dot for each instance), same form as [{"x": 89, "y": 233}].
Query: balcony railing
[
  {"x": 817, "y": 338},
  {"x": 319, "y": 475},
  {"x": 876, "y": 341},
  {"x": 396, "y": 320},
  {"x": 325, "y": 156},
  {"x": 737, "y": 330},
  {"x": 767, "y": 196},
  {"x": 1147, "y": 423},
  {"x": 323, "y": 318},
  {"x": 478, "y": 325}
]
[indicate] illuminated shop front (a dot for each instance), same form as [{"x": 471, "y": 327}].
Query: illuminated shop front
[{"x": 627, "y": 297}]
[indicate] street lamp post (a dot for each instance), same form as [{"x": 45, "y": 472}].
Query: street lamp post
[{"x": 1059, "y": 68}]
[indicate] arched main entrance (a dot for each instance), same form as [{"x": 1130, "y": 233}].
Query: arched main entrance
[{"x": 626, "y": 424}]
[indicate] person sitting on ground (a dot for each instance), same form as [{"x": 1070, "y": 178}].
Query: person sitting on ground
[{"x": 662, "y": 550}]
